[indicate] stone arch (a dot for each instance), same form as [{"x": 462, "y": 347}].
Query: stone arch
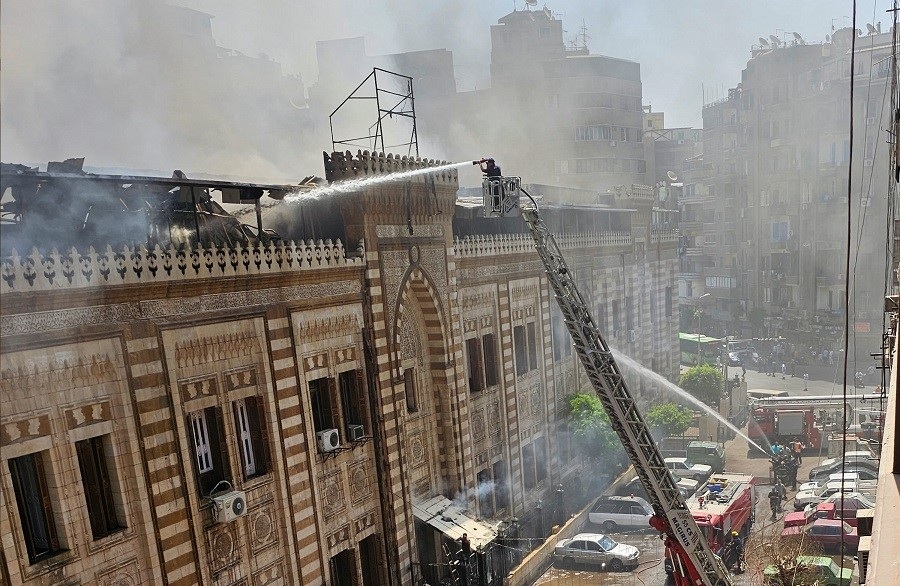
[{"x": 418, "y": 286}]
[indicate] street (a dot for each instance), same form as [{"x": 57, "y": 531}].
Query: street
[{"x": 650, "y": 571}]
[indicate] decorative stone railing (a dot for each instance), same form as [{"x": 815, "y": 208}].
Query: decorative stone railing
[
  {"x": 72, "y": 269},
  {"x": 503, "y": 244},
  {"x": 343, "y": 166}
]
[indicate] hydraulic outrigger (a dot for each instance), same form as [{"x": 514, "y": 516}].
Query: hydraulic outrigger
[{"x": 695, "y": 562}]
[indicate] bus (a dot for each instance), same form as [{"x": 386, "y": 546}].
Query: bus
[{"x": 710, "y": 348}]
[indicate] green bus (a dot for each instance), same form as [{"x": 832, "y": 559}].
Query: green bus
[{"x": 710, "y": 348}]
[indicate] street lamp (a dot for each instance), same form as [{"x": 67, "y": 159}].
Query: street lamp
[{"x": 699, "y": 315}]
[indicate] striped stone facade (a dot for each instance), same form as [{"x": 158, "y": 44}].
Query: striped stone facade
[{"x": 131, "y": 357}]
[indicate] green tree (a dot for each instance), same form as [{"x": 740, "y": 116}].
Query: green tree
[
  {"x": 670, "y": 418},
  {"x": 704, "y": 382},
  {"x": 592, "y": 432}
]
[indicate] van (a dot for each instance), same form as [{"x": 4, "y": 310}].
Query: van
[{"x": 709, "y": 453}]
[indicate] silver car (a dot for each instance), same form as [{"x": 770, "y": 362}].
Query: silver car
[{"x": 598, "y": 550}]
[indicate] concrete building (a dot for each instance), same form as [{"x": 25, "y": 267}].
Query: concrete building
[
  {"x": 775, "y": 169},
  {"x": 354, "y": 397}
]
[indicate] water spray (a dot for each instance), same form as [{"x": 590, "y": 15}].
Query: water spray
[
  {"x": 355, "y": 185},
  {"x": 643, "y": 371}
]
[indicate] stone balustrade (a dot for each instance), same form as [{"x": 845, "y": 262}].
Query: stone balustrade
[
  {"x": 504, "y": 244},
  {"x": 72, "y": 269}
]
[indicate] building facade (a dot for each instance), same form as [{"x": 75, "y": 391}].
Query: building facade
[{"x": 352, "y": 395}]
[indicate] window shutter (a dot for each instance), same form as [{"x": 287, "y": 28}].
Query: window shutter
[
  {"x": 109, "y": 516},
  {"x": 92, "y": 491},
  {"x": 49, "y": 522},
  {"x": 334, "y": 406},
  {"x": 256, "y": 413},
  {"x": 361, "y": 401}
]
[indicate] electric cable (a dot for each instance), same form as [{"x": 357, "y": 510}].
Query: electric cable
[{"x": 847, "y": 269}]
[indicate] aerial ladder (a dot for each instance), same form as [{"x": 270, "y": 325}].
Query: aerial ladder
[{"x": 695, "y": 563}]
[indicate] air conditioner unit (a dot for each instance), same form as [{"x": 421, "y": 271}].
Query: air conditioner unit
[
  {"x": 329, "y": 440},
  {"x": 229, "y": 506},
  {"x": 612, "y": 143},
  {"x": 632, "y": 335},
  {"x": 681, "y": 141},
  {"x": 355, "y": 432}
]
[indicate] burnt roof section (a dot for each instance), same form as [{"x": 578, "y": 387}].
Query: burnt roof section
[{"x": 66, "y": 207}]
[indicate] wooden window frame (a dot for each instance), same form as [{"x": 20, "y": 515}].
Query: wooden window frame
[
  {"x": 28, "y": 515},
  {"x": 252, "y": 436},
  {"x": 474, "y": 363},
  {"x": 410, "y": 390},
  {"x": 98, "y": 486},
  {"x": 491, "y": 364},
  {"x": 211, "y": 472}
]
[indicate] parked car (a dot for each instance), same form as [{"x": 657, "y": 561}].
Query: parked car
[
  {"x": 830, "y": 509},
  {"x": 734, "y": 359},
  {"x": 859, "y": 459},
  {"x": 613, "y": 512},
  {"x": 801, "y": 499},
  {"x": 597, "y": 550},
  {"x": 814, "y": 484},
  {"x": 863, "y": 471},
  {"x": 828, "y": 533},
  {"x": 709, "y": 453},
  {"x": 821, "y": 568},
  {"x": 685, "y": 469},
  {"x": 634, "y": 487},
  {"x": 852, "y": 499}
]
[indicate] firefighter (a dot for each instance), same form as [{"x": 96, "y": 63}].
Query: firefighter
[
  {"x": 791, "y": 469},
  {"x": 489, "y": 168},
  {"x": 775, "y": 501}
]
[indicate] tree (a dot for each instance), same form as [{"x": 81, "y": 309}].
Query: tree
[
  {"x": 670, "y": 418},
  {"x": 593, "y": 434},
  {"x": 704, "y": 382},
  {"x": 788, "y": 560}
]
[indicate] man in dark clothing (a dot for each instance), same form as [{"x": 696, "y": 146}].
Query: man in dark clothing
[
  {"x": 489, "y": 168},
  {"x": 775, "y": 501}
]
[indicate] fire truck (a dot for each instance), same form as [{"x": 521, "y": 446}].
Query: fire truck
[
  {"x": 785, "y": 425},
  {"x": 723, "y": 506},
  {"x": 806, "y": 418},
  {"x": 692, "y": 559}
]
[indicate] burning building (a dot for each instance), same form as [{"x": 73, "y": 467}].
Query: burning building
[{"x": 189, "y": 399}]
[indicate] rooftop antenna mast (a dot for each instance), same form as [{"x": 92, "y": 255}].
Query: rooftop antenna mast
[
  {"x": 584, "y": 36},
  {"x": 394, "y": 98}
]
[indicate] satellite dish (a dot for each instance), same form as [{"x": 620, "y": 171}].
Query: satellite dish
[
  {"x": 774, "y": 39},
  {"x": 870, "y": 28},
  {"x": 763, "y": 42},
  {"x": 797, "y": 36},
  {"x": 672, "y": 176}
]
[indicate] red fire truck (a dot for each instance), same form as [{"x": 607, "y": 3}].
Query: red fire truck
[
  {"x": 723, "y": 506},
  {"x": 785, "y": 425}
]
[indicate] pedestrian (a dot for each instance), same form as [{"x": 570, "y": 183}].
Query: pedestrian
[
  {"x": 798, "y": 452},
  {"x": 743, "y": 372},
  {"x": 805, "y": 381},
  {"x": 783, "y": 370}
]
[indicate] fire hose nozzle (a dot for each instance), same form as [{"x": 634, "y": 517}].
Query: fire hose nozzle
[{"x": 478, "y": 162}]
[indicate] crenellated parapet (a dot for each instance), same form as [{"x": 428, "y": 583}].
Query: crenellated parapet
[
  {"x": 71, "y": 269},
  {"x": 345, "y": 166},
  {"x": 506, "y": 244}
]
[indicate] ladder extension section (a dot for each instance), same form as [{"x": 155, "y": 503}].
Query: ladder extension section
[{"x": 627, "y": 422}]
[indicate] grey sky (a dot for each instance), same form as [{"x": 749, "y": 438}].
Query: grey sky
[
  {"x": 681, "y": 45},
  {"x": 116, "y": 82}
]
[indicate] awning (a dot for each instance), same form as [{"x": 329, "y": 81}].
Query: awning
[{"x": 452, "y": 521}]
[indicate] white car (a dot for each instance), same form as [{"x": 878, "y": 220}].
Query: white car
[
  {"x": 817, "y": 495},
  {"x": 597, "y": 550},
  {"x": 687, "y": 486},
  {"x": 614, "y": 512},
  {"x": 808, "y": 486},
  {"x": 684, "y": 469},
  {"x": 861, "y": 501}
]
